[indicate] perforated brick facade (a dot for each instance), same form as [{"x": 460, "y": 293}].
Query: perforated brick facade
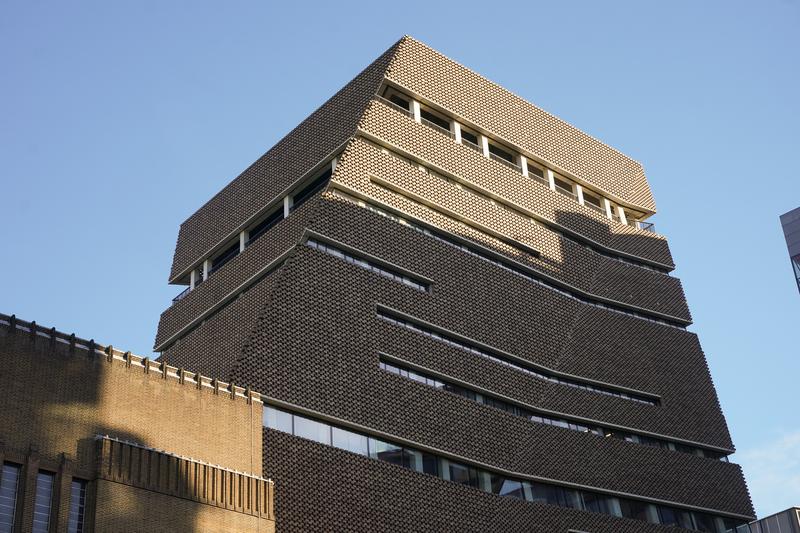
[{"x": 503, "y": 280}]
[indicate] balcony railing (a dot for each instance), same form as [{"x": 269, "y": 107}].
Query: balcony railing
[
  {"x": 470, "y": 144},
  {"x": 391, "y": 104},
  {"x": 506, "y": 162},
  {"x": 181, "y": 295},
  {"x": 438, "y": 128},
  {"x": 595, "y": 208},
  {"x": 566, "y": 192},
  {"x": 646, "y": 226}
]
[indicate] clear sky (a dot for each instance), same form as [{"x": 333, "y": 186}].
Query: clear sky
[{"x": 118, "y": 120}]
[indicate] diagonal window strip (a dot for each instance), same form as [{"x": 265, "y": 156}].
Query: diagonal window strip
[
  {"x": 414, "y": 457},
  {"x": 506, "y": 265},
  {"x": 368, "y": 265},
  {"x": 540, "y": 374},
  {"x": 541, "y": 418}
]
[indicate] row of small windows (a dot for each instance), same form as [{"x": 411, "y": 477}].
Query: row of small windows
[
  {"x": 368, "y": 265},
  {"x": 510, "y": 158},
  {"x": 421, "y": 329},
  {"x": 526, "y": 413},
  {"x": 43, "y": 500},
  {"x": 503, "y": 205},
  {"x": 465, "y": 474},
  {"x": 507, "y": 265},
  {"x": 254, "y": 231}
]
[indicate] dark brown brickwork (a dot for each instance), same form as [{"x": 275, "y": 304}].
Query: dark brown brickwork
[
  {"x": 309, "y": 336},
  {"x": 384, "y": 498},
  {"x": 467, "y": 94},
  {"x": 285, "y": 163},
  {"x": 59, "y": 397}
]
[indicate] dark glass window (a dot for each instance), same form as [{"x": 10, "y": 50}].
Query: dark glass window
[
  {"x": 593, "y": 200},
  {"x": 77, "y": 506},
  {"x": 436, "y": 119},
  {"x": 470, "y": 137},
  {"x": 704, "y": 522},
  {"x": 42, "y": 503},
  {"x": 430, "y": 464},
  {"x": 308, "y": 191},
  {"x": 535, "y": 171},
  {"x": 669, "y": 516},
  {"x": 386, "y": 451},
  {"x": 398, "y": 100},
  {"x": 224, "y": 257},
  {"x": 259, "y": 229},
  {"x": 465, "y": 475},
  {"x": 9, "y": 480},
  {"x": 563, "y": 184},
  {"x": 512, "y": 488},
  {"x": 598, "y": 503},
  {"x": 634, "y": 509},
  {"x": 499, "y": 152}
]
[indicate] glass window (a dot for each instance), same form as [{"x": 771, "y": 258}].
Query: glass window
[
  {"x": 277, "y": 419},
  {"x": 219, "y": 261},
  {"x": 259, "y": 229},
  {"x": 704, "y": 522},
  {"x": 669, "y": 516},
  {"x": 533, "y": 170},
  {"x": 309, "y": 190},
  {"x": 633, "y": 509},
  {"x": 352, "y": 442},
  {"x": 41, "y": 506},
  {"x": 77, "y": 506},
  {"x": 386, "y": 451},
  {"x": 512, "y": 488},
  {"x": 9, "y": 480},
  {"x": 465, "y": 475},
  {"x": 469, "y": 136},
  {"x": 501, "y": 153},
  {"x": 312, "y": 430},
  {"x": 431, "y": 465},
  {"x": 435, "y": 119},
  {"x": 399, "y": 100}
]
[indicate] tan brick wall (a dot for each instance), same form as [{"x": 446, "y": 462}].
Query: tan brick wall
[
  {"x": 134, "y": 509},
  {"x": 57, "y": 398}
]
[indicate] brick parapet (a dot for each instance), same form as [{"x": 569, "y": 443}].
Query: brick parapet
[
  {"x": 108, "y": 353},
  {"x": 183, "y": 477}
]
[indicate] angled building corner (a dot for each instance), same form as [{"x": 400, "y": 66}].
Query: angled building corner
[{"x": 460, "y": 319}]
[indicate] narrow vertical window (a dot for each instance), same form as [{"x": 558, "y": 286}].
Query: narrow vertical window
[
  {"x": 9, "y": 480},
  {"x": 44, "y": 497},
  {"x": 77, "y": 506}
]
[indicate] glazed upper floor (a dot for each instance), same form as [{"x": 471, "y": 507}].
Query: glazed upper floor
[{"x": 593, "y": 175}]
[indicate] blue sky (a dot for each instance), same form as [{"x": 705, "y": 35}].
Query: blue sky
[{"x": 118, "y": 120}]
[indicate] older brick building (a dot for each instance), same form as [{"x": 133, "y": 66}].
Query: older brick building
[
  {"x": 94, "y": 439},
  {"x": 459, "y": 317}
]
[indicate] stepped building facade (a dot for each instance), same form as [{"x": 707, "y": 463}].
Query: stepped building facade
[{"x": 458, "y": 317}]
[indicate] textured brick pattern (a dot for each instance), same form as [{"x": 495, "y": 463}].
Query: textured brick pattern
[
  {"x": 57, "y": 398},
  {"x": 563, "y": 259},
  {"x": 308, "y": 333},
  {"x": 270, "y": 246},
  {"x": 455, "y": 88},
  {"x": 399, "y": 130},
  {"x": 133, "y": 509},
  {"x": 206, "y": 350},
  {"x": 363, "y": 394},
  {"x": 286, "y": 162},
  {"x": 383, "y": 498}
]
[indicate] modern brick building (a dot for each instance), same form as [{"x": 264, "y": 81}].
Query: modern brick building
[
  {"x": 791, "y": 231},
  {"x": 459, "y": 317},
  {"x": 94, "y": 439}
]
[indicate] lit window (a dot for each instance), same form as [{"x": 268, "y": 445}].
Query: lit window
[
  {"x": 9, "y": 481},
  {"x": 77, "y": 506},
  {"x": 41, "y": 506}
]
